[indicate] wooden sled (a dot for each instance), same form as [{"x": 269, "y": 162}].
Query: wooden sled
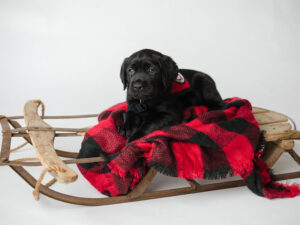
[{"x": 279, "y": 136}]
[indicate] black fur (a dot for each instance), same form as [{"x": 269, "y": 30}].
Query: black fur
[
  {"x": 148, "y": 77},
  {"x": 150, "y": 106}
]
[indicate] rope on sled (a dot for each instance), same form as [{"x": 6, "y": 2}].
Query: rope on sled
[
  {"x": 18, "y": 147},
  {"x": 36, "y": 192}
]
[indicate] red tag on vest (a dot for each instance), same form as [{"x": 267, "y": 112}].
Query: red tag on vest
[{"x": 180, "y": 84}]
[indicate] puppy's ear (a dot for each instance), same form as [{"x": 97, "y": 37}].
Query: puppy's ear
[
  {"x": 123, "y": 73},
  {"x": 169, "y": 71}
]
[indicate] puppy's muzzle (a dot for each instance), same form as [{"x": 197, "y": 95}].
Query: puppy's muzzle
[
  {"x": 140, "y": 87},
  {"x": 137, "y": 86},
  {"x": 139, "y": 82}
]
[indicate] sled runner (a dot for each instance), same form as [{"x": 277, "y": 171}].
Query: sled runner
[{"x": 278, "y": 132}]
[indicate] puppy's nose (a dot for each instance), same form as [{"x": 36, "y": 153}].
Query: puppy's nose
[{"x": 137, "y": 86}]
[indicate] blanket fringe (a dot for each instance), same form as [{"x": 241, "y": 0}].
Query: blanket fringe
[{"x": 279, "y": 190}]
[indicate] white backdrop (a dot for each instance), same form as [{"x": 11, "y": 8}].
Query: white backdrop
[{"x": 68, "y": 53}]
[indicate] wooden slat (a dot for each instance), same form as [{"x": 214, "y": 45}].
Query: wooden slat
[
  {"x": 286, "y": 144},
  {"x": 272, "y": 154},
  {"x": 270, "y": 117},
  {"x": 24, "y": 129},
  {"x": 43, "y": 144},
  {"x": 292, "y": 134},
  {"x": 296, "y": 135},
  {"x": 77, "y": 134},
  {"x": 6, "y": 140},
  {"x": 36, "y": 163},
  {"x": 141, "y": 187},
  {"x": 256, "y": 110},
  {"x": 58, "y": 117},
  {"x": 295, "y": 156},
  {"x": 194, "y": 184},
  {"x": 276, "y": 128}
]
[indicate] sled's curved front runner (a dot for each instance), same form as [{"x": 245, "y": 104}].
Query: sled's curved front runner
[{"x": 278, "y": 133}]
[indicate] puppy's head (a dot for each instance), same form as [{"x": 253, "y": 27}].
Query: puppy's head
[{"x": 148, "y": 74}]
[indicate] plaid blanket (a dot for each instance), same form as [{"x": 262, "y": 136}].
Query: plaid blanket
[{"x": 206, "y": 145}]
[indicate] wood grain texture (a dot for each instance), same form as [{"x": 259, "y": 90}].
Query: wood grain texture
[
  {"x": 272, "y": 154},
  {"x": 295, "y": 156},
  {"x": 43, "y": 144},
  {"x": 285, "y": 135},
  {"x": 57, "y": 117},
  {"x": 6, "y": 140},
  {"x": 286, "y": 144},
  {"x": 270, "y": 117},
  {"x": 256, "y": 110},
  {"x": 141, "y": 187},
  {"x": 276, "y": 128},
  {"x": 36, "y": 163}
]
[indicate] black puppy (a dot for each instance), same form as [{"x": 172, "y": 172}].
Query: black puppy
[
  {"x": 150, "y": 78},
  {"x": 149, "y": 75}
]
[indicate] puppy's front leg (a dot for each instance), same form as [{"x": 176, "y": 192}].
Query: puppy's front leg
[
  {"x": 158, "y": 122},
  {"x": 131, "y": 122}
]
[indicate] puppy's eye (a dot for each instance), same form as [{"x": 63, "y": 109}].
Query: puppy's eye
[
  {"x": 151, "y": 70},
  {"x": 130, "y": 71}
]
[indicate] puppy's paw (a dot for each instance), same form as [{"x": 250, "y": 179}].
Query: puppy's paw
[
  {"x": 135, "y": 136},
  {"x": 123, "y": 127},
  {"x": 125, "y": 130},
  {"x": 121, "y": 130}
]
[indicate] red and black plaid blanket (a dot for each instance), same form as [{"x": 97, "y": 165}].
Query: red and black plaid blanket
[{"x": 211, "y": 145}]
